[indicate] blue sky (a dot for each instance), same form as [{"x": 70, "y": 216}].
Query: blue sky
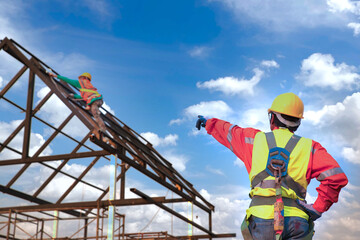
[{"x": 161, "y": 63}]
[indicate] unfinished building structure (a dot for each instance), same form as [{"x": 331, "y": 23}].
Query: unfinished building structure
[{"x": 38, "y": 190}]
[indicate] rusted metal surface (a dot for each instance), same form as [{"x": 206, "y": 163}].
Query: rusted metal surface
[{"x": 133, "y": 151}]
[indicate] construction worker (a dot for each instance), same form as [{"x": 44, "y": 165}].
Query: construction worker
[
  {"x": 88, "y": 93},
  {"x": 280, "y": 166}
]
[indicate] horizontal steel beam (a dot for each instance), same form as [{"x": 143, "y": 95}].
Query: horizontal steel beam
[
  {"x": 30, "y": 198},
  {"x": 90, "y": 204},
  {"x": 54, "y": 157},
  {"x": 194, "y": 237}
]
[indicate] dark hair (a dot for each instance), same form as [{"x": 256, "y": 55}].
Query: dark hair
[{"x": 289, "y": 118}]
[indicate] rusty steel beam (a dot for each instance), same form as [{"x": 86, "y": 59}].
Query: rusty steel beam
[
  {"x": 54, "y": 157},
  {"x": 58, "y": 169},
  {"x": 28, "y": 117},
  {"x": 30, "y": 198},
  {"x": 46, "y": 206},
  {"x": 78, "y": 179},
  {"x": 132, "y": 149},
  {"x": 148, "y": 173},
  {"x": 13, "y": 81},
  {"x": 152, "y": 160},
  {"x": 195, "y": 237},
  {"x": 48, "y": 141}
]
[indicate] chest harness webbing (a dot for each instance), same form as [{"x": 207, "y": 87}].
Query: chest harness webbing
[{"x": 277, "y": 166}]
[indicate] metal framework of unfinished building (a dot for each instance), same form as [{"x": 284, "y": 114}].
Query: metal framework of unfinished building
[{"x": 126, "y": 145}]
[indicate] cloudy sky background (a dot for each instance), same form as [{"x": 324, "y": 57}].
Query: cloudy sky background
[{"x": 161, "y": 63}]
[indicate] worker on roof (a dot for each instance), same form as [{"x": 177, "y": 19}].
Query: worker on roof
[
  {"x": 88, "y": 93},
  {"x": 280, "y": 166}
]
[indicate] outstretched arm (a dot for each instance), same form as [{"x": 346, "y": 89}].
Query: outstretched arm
[
  {"x": 237, "y": 139},
  {"x": 72, "y": 82},
  {"x": 332, "y": 179}
]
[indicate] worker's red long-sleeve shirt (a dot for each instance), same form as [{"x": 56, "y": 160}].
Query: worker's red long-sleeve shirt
[{"x": 321, "y": 164}]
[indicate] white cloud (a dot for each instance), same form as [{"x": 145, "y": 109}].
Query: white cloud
[
  {"x": 230, "y": 203},
  {"x": 199, "y": 52},
  {"x": 339, "y": 221},
  {"x": 239, "y": 163},
  {"x": 177, "y": 160},
  {"x": 232, "y": 85},
  {"x": 55, "y": 112},
  {"x": 156, "y": 141},
  {"x": 36, "y": 141},
  {"x": 217, "y": 109},
  {"x": 256, "y": 118},
  {"x": 356, "y": 27},
  {"x": 343, "y": 6},
  {"x": 270, "y": 64},
  {"x": 351, "y": 154},
  {"x": 108, "y": 108},
  {"x": 1, "y": 82},
  {"x": 212, "y": 108},
  {"x": 176, "y": 121},
  {"x": 214, "y": 170},
  {"x": 284, "y": 15},
  {"x": 319, "y": 70},
  {"x": 9, "y": 23},
  {"x": 99, "y": 7},
  {"x": 342, "y": 119}
]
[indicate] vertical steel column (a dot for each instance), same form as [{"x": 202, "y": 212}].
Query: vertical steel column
[
  {"x": 37, "y": 229},
  {"x": 42, "y": 230},
  {"x": 28, "y": 116},
  {"x": 112, "y": 196},
  {"x": 86, "y": 228},
  {"x": 210, "y": 223},
  {"x": 97, "y": 220},
  {"x": 9, "y": 225},
  {"x": 14, "y": 225},
  {"x": 122, "y": 183},
  {"x": 123, "y": 233},
  {"x": 55, "y": 224}
]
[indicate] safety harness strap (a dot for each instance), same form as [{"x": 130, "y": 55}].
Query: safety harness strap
[
  {"x": 270, "y": 138},
  {"x": 296, "y": 187},
  {"x": 292, "y": 143},
  {"x": 258, "y": 178}
]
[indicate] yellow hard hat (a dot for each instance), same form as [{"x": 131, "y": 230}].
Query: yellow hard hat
[
  {"x": 289, "y": 104},
  {"x": 88, "y": 75}
]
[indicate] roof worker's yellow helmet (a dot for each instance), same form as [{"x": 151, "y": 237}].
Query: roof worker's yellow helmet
[
  {"x": 288, "y": 104},
  {"x": 88, "y": 75}
]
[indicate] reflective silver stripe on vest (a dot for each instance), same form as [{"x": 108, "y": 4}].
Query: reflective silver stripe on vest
[
  {"x": 313, "y": 150},
  {"x": 249, "y": 140},
  {"x": 328, "y": 173},
  {"x": 294, "y": 139},
  {"x": 270, "y": 184},
  {"x": 229, "y": 136}
]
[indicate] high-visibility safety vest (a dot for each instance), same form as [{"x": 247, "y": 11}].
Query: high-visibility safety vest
[
  {"x": 88, "y": 91},
  {"x": 293, "y": 184}
]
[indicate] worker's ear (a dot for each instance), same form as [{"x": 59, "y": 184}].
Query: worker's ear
[{"x": 272, "y": 121}]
